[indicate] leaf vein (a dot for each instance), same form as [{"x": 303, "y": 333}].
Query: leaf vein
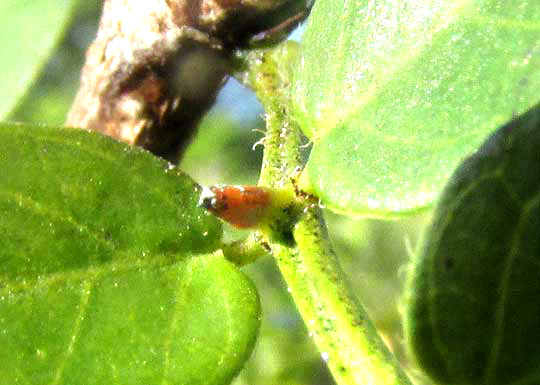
[
  {"x": 83, "y": 306},
  {"x": 26, "y": 202},
  {"x": 505, "y": 287}
]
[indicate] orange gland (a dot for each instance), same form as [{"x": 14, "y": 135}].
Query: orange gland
[{"x": 241, "y": 206}]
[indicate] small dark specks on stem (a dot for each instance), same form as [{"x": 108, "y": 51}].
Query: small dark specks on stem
[{"x": 266, "y": 246}]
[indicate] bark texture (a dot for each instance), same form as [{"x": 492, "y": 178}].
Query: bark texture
[{"x": 156, "y": 66}]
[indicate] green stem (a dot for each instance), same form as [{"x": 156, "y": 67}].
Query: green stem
[
  {"x": 244, "y": 251},
  {"x": 263, "y": 73},
  {"x": 339, "y": 325}
]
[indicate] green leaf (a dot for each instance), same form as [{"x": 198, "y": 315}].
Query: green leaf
[
  {"x": 104, "y": 268},
  {"x": 473, "y": 308},
  {"x": 28, "y": 32},
  {"x": 394, "y": 94}
]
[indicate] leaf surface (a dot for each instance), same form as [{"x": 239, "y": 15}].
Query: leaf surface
[
  {"x": 472, "y": 307},
  {"x": 108, "y": 268},
  {"x": 394, "y": 94}
]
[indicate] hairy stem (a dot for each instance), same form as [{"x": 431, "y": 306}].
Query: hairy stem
[{"x": 338, "y": 323}]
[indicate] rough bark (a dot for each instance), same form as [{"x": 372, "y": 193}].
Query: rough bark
[{"x": 156, "y": 66}]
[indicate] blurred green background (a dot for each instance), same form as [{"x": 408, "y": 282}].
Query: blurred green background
[{"x": 373, "y": 253}]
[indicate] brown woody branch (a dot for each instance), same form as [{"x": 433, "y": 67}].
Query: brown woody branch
[{"x": 156, "y": 66}]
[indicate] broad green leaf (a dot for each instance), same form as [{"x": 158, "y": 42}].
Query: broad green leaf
[
  {"x": 105, "y": 275},
  {"x": 28, "y": 32},
  {"x": 473, "y": 309},
  {"x": 394, "y": 94}
]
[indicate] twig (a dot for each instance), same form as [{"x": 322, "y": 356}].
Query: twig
[
  {"x": 156, "y": 66},
  {"x": 338, "y": 323}
]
